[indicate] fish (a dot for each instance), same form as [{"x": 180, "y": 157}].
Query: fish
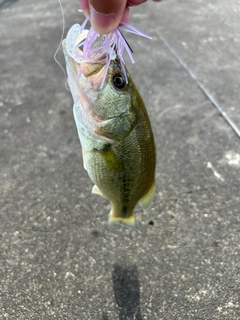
[{"x": 113, "y": 125}]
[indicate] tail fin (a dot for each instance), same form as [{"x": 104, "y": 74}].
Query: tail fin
[{"x": 128, "y": 222}]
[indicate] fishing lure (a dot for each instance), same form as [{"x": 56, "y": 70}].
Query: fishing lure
[{"x": 97, "y": 46}]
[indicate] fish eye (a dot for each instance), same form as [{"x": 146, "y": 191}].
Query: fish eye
[{"x": 119, "y": 80}]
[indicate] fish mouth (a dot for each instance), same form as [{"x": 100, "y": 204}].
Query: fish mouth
[
  {"x": 94, "y": 71},
  {"x": 92, "y": 58},
  {"x": 88, "y": 53}
]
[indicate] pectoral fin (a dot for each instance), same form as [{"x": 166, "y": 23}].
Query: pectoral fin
[
  {"x": 110, "y": 158},
  {"x": 146, "y": 200}
]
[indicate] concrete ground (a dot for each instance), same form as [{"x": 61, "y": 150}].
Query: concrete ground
[{"x": 59, "y": 259}]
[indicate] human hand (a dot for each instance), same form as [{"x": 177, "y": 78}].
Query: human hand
[{"x": 105, "y": 15}]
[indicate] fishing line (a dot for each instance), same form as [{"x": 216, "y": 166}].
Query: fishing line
[
  {"x": 59, "y": 46},
  {"x": 126, "y": 42},
  {"x": 205, "y": 91},
  {"x": 199, "y": 105}
]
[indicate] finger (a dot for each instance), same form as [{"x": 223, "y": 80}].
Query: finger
[
  {"x": 85, "y": 7},
  {"x": 106, "y": 15},
  {"x": 126, "y": 15}
]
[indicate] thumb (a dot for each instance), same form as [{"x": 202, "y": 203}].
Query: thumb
[{"x": 105, "y": 15}]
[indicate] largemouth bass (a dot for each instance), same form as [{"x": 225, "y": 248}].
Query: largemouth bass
[{"x": 114, "y": 129}]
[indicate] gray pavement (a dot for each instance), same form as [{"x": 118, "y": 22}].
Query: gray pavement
[{"x": 59, "y": 259}]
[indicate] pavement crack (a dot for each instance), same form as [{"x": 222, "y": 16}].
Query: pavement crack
[{"x": 200, "y": 85}]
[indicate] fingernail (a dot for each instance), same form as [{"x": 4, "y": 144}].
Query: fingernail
[
  {"x": 102, "y": 23},
  {"x": 135, "y": 2}
]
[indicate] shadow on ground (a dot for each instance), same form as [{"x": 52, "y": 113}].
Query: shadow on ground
[
  {"x": 6, "y": 3},
  {"x": 127, "y": 292}
]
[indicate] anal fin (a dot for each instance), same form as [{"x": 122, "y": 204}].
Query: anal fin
[
  {"x": 96, "y": 190},
  {"x": 146, "y": 200},
  {"x": 84, "y": 164}
]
